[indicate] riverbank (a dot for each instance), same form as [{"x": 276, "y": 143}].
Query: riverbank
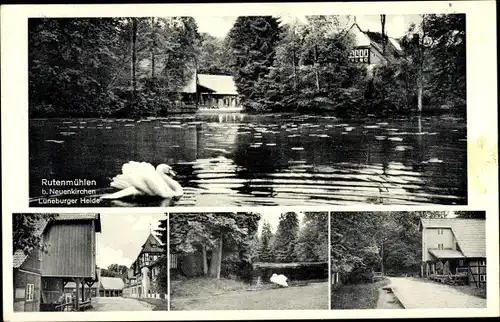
[
  {"x": 357, "y": 296},
  {"x": 427, "y": 111}
]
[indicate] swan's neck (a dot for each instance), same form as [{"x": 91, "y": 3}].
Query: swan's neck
[{"x": 174, "y": 185}]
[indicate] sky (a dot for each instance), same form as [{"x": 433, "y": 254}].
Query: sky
[
  {"x": 122, "y": 237},
  {"x": 272, "y": 216},
  {"x": 396, "y": 25}
]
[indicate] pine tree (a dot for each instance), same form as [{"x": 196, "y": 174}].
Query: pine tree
[
  {"x": 265, "y": 252},
  {"x": 252, "y": 42},
  {"x": 313, "y": 238},
  {"x": 286, "y": 238}
]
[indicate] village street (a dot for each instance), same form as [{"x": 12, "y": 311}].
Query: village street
[
  {"x": 417, "y": 294},
  {"x": 102, "y": 304},
  {"x": 310, "y": 297}
]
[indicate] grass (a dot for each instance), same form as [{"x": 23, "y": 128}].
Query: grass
[
  {"x": 466, "y": 289},
  {"x": 225, "y": 294},
  {"x": 158, "y": 304},
  {"x": 206, "y": 286},
  {"x": 357, "y": 296}
]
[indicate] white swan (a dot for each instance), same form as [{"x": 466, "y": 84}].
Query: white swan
[
  {"x": 141, "y": 178},
  {"x": 279, "y": 279}
]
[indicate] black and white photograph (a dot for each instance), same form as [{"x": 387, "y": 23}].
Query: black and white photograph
[
  {"x": 408, "y": 260},
  {"x": 192, "y": 161},
  {"x": 89, "y": 262},
  {"x": 269, "y": 260},
  {"x": 269, "y": 110}
]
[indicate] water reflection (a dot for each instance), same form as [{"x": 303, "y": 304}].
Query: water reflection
[{"x": 236, "y": 159}]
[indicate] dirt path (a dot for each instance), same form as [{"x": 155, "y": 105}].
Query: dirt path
[
  {"x": 101, "y": 304},
  {"x": 310, "y": 297},
  {"x": 416, "y": 294}
]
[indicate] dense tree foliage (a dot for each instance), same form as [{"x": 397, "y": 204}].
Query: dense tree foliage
[
  {"x": 138, "y": 66},
  {"x": 253, "y": 41},
  {"x": 448, "y": 58},
  {"x": 162, "y": 279},
  {"x": 26, "y": 232},
  {"x": 109, "y": 66},
  {"x": 432, "y": 72},
  {"x": 292, "y": 242},
  {"x": 215, "y": 235},
  {"x": 312, "y": 244},
  {"x": 381, "y": 241},
  {"x": 265, "y": 253},
  {"x": 115, "y": 270},
  {"x": 286, "y": 240},
  {"x": 213, "y": 56}
]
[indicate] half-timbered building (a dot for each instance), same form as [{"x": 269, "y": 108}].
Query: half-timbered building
[
  {"x": 454, "y": 250},
  {"x": 142, "y": 276}
]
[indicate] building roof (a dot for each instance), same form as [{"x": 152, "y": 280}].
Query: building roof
[
  {"x": 469, "y": 233},
  {"x": 81, "y": 216},
  {"x": 112, "y": 283},
  {"x": 107, "y": 283},
  {"x": 42, "y": 223},
  {"x": 375, "y": 40},
  {"x": 446, "y": 253},
  {"x": 73, "y": 285},
  {"x": 218, "y": 84},
  {"x": 152, "y": 245},
  {"x": 19, "y": 255}
]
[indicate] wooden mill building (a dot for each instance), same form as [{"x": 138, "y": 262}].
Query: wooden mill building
[
  {"x": 142, "y": 276},
  {"x": 70, "y": 256},
  {"x": 453, "y": 248},
  {"x": 371, "y": 48},
  {"x": 211, "y": 91}
]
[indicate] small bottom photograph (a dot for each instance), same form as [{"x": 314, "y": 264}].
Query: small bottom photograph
[
  {"x": 408, "y": 260},
  {"x": 90, "y": 262},
  {"x": 249, "y": 261}
]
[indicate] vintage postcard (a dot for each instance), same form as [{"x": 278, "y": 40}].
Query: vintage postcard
[{"x": 249, "y": 161}]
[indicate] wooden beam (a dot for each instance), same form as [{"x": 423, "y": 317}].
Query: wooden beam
[
  {"x": 83, "y": 290},
  {"x": 77, "y": 304},
  {"x": 89, "y": 284}
]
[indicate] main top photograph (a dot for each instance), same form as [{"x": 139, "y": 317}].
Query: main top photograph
[{"x": 247, "y": 111}]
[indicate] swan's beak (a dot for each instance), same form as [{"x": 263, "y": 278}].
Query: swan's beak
[{"x": 172, "y": 173}]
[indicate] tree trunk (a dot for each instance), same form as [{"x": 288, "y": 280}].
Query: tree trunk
[
  {"x": 134, "y": 55},
  {"x": 316, "y": 64},
  {"x": 382, "y": 258},
  {"x": 384, "y": 38},
  {"x": 219, "y": 257},
  {"x": 420, "y": 92},
  {"x": 216, "y": 262},
  {"x": 294, "y": 72},
  {"x": 213, "y": 264},
  {"x": 293, "y": 63},
  {"x": 204, "y": 255},
  {"x": 153, "y": 47},
  {"x": 421, "y": 68}
]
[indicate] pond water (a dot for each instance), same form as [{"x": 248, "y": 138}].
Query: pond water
[{"x": 260, "y": 160}]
